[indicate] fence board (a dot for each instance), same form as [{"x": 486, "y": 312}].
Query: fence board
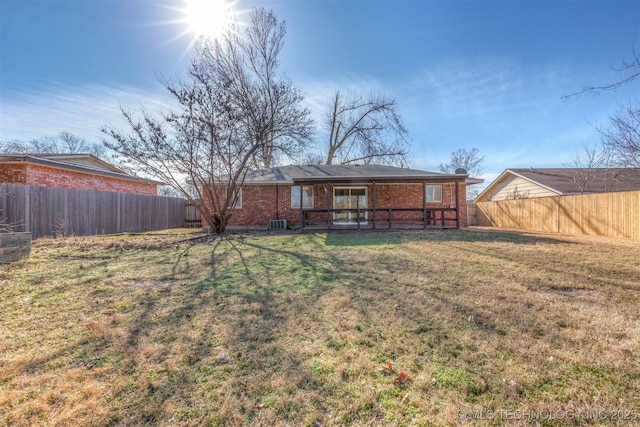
[
  {"x": 605, "y": 214},
  {"x": 192, "y": 218},
  {"x": 14, "y": 246},
  {"x": 46, "y": 211}
]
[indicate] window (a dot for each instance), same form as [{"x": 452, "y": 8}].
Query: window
[
  {"x": 238, "y": 204},
  {"x": 349, "y": 199},
  {"x": 307, "y": 197},
  {"x": 433, "y": 193}
]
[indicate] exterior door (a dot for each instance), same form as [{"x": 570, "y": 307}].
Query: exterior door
[{"x": 349, "y": 198}]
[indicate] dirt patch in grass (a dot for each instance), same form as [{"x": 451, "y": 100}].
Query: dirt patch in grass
[{"x": 364, "y": 328}]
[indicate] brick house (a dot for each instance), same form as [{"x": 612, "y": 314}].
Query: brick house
[
  {"x": 78, "y": 171},
  {"x": 351, "y": 196}
]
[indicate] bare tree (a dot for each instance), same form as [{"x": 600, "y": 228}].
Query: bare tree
[
  {"x": 594, "y": 168},
  {"x": 622, "y": 138},
  {"x": 65, "y": 142},
  {"x": 629, "y": 71},
  {"x": 365, "y": 130},
  {"x": 46, "y": 144},
  {"x": 471, "y": 161},
  {"x": 70, "y": 143},
  {"x": 583, "y": 166},
  {"x": 42, "y": 145},
  {"x": 13, "y": 146},
  {"x": 236, "y": 112}
]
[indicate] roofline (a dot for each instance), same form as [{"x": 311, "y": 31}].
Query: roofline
[
  {"x": 380, "y": 177},
  {"x": 89, "y": 155},
  {"x": 472, "y": 181},
  {"x": 54, "y": 157},
  {"x": 359, "y": 179},
  {"x": 61, "y": 165},
  {"x": 271, "y": 182}
]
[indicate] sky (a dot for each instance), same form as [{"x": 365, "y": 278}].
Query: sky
[{"x": 465, "y": 74}]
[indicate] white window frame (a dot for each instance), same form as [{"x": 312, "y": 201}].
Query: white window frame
[
  {"x": 429, "y": 192},
  {"x": 301, "y": 188}
]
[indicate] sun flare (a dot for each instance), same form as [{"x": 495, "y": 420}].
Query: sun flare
[{"x": 208, "y": 18}]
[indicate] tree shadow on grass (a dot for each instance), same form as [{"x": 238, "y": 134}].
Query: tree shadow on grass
[
  {"x": 219, "y": 350},
  {"x": 393, "y": 237},
  {"x": 230, "y": 327},
  {"x": 362, "y": 238}
]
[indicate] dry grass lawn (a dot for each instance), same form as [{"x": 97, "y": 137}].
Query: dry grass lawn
[{"x": 400, "y": 328}]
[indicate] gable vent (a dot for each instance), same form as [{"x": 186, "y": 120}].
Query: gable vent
[{"x": 278, "y": 224}]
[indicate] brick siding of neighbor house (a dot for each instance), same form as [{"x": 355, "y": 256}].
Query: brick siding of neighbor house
[
  {"x": 13, "y": 174},
  {"x": 260, "y": 204},
  {"x": 43, "y": 176}
]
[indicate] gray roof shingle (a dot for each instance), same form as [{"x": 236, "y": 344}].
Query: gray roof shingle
[
  {"x": 566, "y": 180},
  {"x": 342, "y": 173}
]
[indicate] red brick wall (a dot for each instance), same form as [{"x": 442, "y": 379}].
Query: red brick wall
[
  {"x": 260, "y": 204},
  {"x": 43, "y": 176},
  {"x": 14, "y": 174},
  {"x": 411, "y": 196}
]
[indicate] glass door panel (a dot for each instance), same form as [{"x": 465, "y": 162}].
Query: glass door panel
[
  {"x": 341, "y": 200},
  {"x": 359, "y": 200},
  {"x": 349, "y": 198}
]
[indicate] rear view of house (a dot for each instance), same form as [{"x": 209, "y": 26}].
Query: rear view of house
[{"x": 351, "y": 196}]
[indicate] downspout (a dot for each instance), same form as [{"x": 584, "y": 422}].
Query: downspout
[
  {"x": 373, "y": 197},
  {"x": 277, "y": 197},
  {"x": 457, "y": 205},
  {"x": 301, "y": 212},
  {"x": 424, "y": 205},
  {"x": 329, "y": 202}
]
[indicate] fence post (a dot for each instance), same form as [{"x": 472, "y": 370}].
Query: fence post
[
  {"x": 358, "y": 211},
  {"x": 27, "y": 208}
]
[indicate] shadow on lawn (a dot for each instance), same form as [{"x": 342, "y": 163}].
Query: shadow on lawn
[
  {"x": 217, "y": 347},
  {"x": 164, "y": 345},
  {"x": 228, "y": 329},
  {"x": 393, "y": 237}
]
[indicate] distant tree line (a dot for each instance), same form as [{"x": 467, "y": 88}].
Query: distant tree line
[{"x": 64, "y": 142}]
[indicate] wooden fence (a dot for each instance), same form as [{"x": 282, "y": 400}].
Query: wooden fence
[
  {"x": 46, "y": 211},
  {"x": 14, "y": 246},
  {"x": 472, "y": 214},
  {"x": 605, "y": 214},
  {"x": 192, "y": 216}
]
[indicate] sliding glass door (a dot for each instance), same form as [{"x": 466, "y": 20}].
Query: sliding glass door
[{"x": 349, "y": 198}]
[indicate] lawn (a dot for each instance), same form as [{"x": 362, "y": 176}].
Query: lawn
[{"x": 399, "y": 328}]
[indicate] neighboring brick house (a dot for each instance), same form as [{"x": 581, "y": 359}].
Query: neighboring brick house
[
  {"x": 78, "y": 171},
  {"x": 345, "y": 196}
]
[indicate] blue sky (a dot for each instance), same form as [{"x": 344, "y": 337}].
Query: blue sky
[{"x": 465, "y": 74}]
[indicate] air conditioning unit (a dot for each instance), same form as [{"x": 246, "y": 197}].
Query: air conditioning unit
[{"x": 278, "y": 224}]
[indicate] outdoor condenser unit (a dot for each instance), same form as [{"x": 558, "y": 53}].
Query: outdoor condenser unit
[{"x": 278, "y": 224}]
